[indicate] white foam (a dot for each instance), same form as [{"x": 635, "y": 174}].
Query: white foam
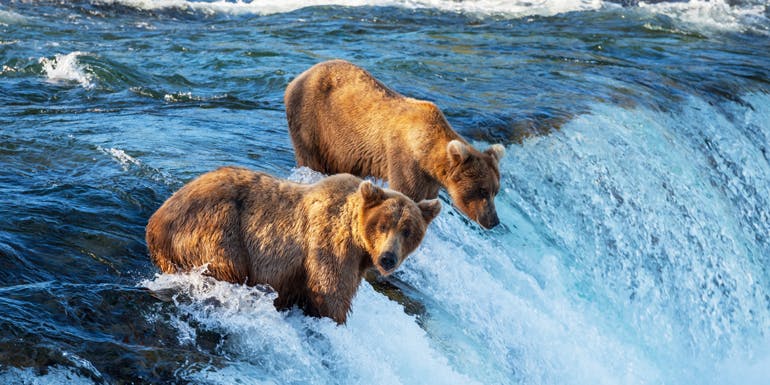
[
  {"x": 703, "y": 15},
  {"x": 11, "y": 18},
  {"x": 180, "y": 97},
  {"x": 121, "y": 157},
  {"x": 263, "y": 7},
  {"x": 378, "y": 345},
  {"x": 746, "y": 370},
  {"x": 259, "y": 7},
  {"x": 713, "y": 15},
  {"x": 305, "y": 175},
  {"x": 66, "y": 68},
  {"x": 509, "y": 8}
]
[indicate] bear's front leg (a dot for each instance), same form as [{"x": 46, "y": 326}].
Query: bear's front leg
[
  {"x": 331, "y": 287},
  {"x": 325, "y": 305}
]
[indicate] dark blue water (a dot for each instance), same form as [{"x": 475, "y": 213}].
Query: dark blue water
[{"x": 635, "y": 200}]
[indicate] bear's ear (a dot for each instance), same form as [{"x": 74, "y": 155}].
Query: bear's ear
[
  {"x": 372, "y": 194},
  {"x": 497, "y": 151},
  {"x": 430, "y": 208},
  {"x": 457, "y": 151}
]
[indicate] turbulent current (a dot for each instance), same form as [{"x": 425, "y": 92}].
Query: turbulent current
[{"x": 634, "y": 245}]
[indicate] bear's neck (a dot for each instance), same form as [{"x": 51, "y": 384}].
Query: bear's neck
[
  {"x": 437, "y": 162},
  {"x": 429, "y": 141},
  {"x": 350, "y": 246},
  {"x": 348, "y": 240}
]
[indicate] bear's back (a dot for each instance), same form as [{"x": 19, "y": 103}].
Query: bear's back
[
  {"x": 342, "y": 119},
  {"x": 207, "y": 221}
]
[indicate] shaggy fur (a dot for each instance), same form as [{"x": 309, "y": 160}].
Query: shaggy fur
[
  {"x": 342, "y": 119},
  {"x": 311, "y": 243}
]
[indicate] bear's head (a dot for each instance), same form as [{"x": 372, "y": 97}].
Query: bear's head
[
  {"x": 392, "y": 225},
  {"x": 474, "y": 180}
]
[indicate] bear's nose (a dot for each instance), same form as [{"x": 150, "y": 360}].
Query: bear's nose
[
  {"x": 388, "y": 261},
  {"x": 490, "y": 221},
  {"x": 494, "y": 222}
]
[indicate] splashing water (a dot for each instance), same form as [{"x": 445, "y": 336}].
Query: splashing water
[
  {"x": 291, "y": 348},
  {"x": 67, "y": 68},
  {"x": 261, "y": 7},
  {"x": 719, "y": 15}
]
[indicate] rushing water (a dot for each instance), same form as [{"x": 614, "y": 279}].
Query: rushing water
[{"x": 635, "y": 201}]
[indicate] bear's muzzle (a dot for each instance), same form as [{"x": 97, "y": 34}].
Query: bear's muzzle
[{"x": 388, "y": 261}]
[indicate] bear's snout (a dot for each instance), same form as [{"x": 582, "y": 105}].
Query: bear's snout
[
  {"x": 491, "y": 222},
  {"x": 388, "y": 261},
  {"x": 489, "y": 219}
]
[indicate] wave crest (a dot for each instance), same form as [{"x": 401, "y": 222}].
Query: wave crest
[
  {"x": 719, "y": 15},
  {"x": 715, "y": 15},
  {"x": 67, "y": 68},
  {"x": 262, "y": 7}
]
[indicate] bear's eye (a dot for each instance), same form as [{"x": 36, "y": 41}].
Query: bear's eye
[
  {"x": 383, "y": 227},
  {"x": 406, "y": 233}
]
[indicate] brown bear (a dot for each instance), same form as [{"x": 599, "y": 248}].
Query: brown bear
[
  {"x": 342, "y": 119},
  {"x": 312, "y": 243}
]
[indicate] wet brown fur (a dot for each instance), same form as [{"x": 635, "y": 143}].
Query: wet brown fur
[
  {"x": 342, "y": 119},
  {"x": 311, "y": 243}
]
